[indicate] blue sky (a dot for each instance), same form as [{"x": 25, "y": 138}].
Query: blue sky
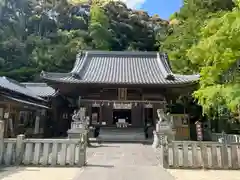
[{"x": 164, "y": 8}]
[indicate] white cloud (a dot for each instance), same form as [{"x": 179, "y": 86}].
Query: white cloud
[{"x": 134, "y": 3}]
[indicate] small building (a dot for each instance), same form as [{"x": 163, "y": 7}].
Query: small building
[
  {"x": 124, "y": 87},
  {"x": 59, "y": 116},
  {"x": 21, "y": 109}
]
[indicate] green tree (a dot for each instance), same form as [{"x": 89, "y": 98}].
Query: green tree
[
  {"x": 217, "y": 54},
  {"x": 38, "y": 35},
  {"x": 98, "y": 28},
  {"x": 184, "y": 32}
]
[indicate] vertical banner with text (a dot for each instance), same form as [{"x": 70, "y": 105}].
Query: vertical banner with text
[{"x": 199, "y": 130}]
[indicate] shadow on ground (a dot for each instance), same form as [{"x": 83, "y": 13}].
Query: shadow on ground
[
  {"x": 101, "y": 145},
  {"x": 100, "y": 165},
  {"x": 8, "y": 171}
]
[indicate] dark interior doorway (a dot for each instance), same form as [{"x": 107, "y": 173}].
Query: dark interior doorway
[
  {"x": 148, "y": 116},
  {"x": 122, "y": 114},
  {"x": 95, "y": 114}
]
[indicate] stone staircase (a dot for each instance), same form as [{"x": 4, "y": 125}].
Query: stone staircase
[{"x": 113, "y": 134}]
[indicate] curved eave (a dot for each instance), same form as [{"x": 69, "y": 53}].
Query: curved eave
[{"x": 68, "y": 79}]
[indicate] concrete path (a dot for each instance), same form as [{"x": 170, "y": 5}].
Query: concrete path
[
  {"x": 36, "y": 173},
  {"x": 123, "y": 162},
  {"x": 205, "y": 174}
]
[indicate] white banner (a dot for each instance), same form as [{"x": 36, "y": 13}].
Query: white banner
[{"x": 122, "y": 106}]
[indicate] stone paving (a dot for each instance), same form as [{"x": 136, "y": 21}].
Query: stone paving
[
  {"x": 205, "y": 174},
  {"x": 123, "y": 162},
  {"x": 116, "y": 162},
  {"x": 36, "y": 173}
]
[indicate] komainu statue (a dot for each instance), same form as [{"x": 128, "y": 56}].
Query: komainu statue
[
  {"x": 163, "y": 134},
  {"x": 75, "y": 116},
  {"x": 80, "y": 115},
  {"x": 163, "y": 117}
]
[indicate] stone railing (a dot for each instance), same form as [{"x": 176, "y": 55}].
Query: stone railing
[
  {"x": 44, "y": 152},
  {"x": 226, "y": 138},
  {"x": 200, "y": 155}
]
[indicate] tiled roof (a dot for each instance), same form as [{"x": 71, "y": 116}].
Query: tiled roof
[
  {"x": 110, "y": 67},
  {"x": 41, "y": 89},
  {"x": 25, "y": 102},
  {"x": 15, "y": 86}
]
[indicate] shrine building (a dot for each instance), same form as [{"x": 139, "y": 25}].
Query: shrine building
[{"x": 125, "y": 87}]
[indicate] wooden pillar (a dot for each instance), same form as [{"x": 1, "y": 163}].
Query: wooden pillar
[
  {"x": 1, "y": 140},
  {"x": 100, "y": 114},
  {"x": 89, "y": 106},
  {"x": 109, "y": 115},
  {"x": 8, "y": 124},
  {"x": 143, "y": 114},
  {"x": 154, "y": 114}
]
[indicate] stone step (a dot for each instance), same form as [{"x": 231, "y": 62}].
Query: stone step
[
  {"x": 122, "y": 129},
  {"x": 122, "y": 134}
]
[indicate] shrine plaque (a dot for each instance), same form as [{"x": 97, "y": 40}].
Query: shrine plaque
[{"x": 6, "y": 115}]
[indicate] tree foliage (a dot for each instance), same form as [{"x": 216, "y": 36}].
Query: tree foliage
[
  {"x": 217, "y": 55},
  {"x": 204, "y": 36},
  {"x": 184, "y": 30},
  {"x": 38, "y": 35},
  {"x": 98, "y": 28}
]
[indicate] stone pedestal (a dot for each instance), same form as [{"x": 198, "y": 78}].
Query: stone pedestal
[
  {"x": 75, "y": 133},
  {"x": 161, "y": 138},
  {"x": 77, "y": 128}
]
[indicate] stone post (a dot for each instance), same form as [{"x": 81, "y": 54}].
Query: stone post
[
  {"x": 37, "y": 124},
  {"x": 19, "y": 148},
  {"x": 1, "y": 140},
  {"x": 82, "y": 148},
  {"x": 165, "y": 159},
  {"x": 155, "y": 140}
]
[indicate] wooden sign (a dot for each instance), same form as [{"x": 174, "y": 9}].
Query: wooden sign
[
  {"x": 6, "y": 115},
  {"x": 199, "y": 131}
]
